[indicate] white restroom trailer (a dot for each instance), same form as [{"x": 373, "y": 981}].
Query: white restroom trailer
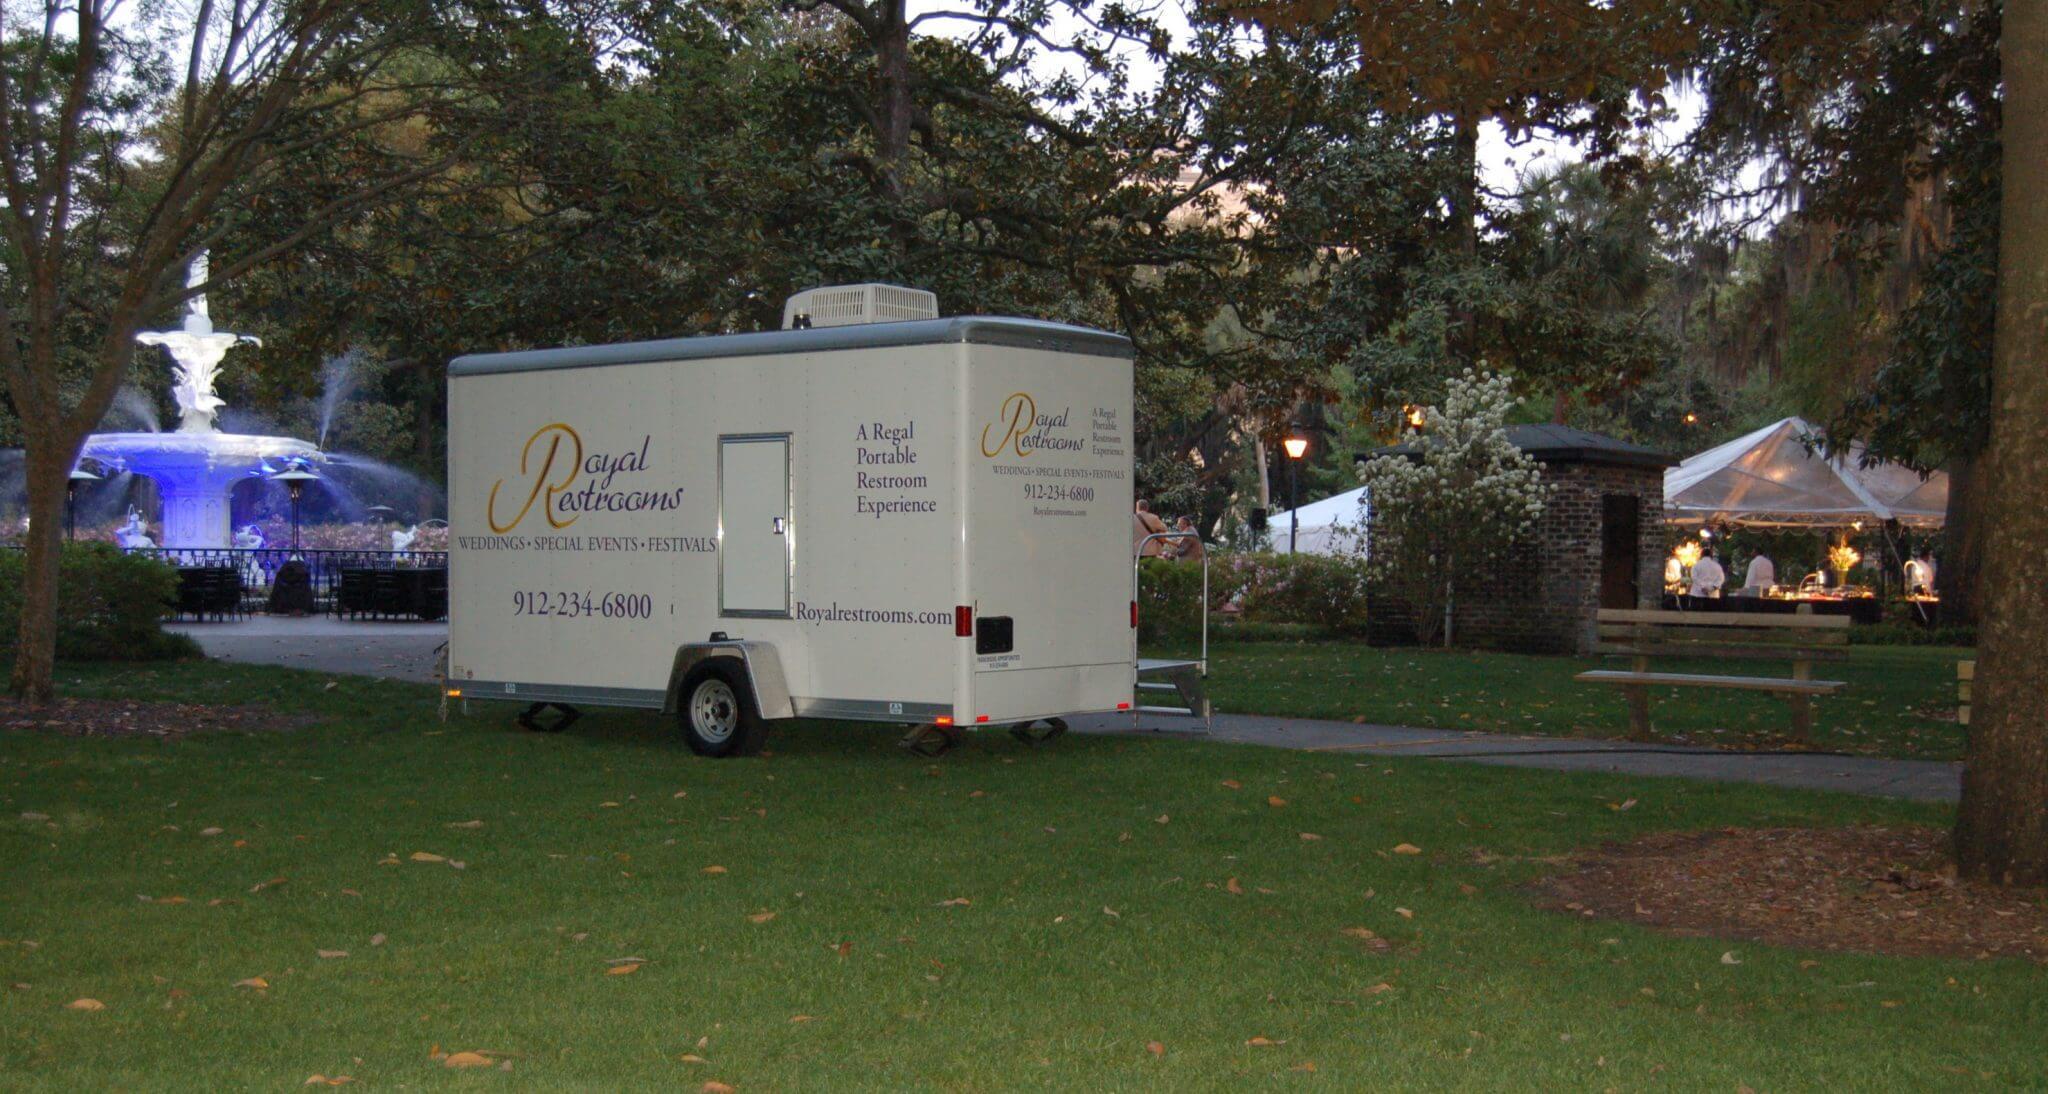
[{"x": 925, "y": 522}]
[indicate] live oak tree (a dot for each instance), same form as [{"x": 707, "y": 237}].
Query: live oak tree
[
  {"x": 137, "y": 140},
  {"x": 2002, "y": 826}
]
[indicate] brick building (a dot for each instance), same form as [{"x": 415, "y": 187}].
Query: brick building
[{"x": 1600, "y": 544}]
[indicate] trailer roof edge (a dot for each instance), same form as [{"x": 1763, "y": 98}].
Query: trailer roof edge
[{"x": 974, "y": 329}]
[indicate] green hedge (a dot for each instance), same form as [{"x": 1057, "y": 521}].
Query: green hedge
[
  {"x": 110, "y": 605},
  {"x": 1316, "y": 591}
]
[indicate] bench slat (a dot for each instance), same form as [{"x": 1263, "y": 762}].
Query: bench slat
[
  {"x": 1685, "y": 649},
  {"x": 1724, "y": 619},
  {"x": 1753, "y": 635},
  {"x": 1686, "y": 679}
]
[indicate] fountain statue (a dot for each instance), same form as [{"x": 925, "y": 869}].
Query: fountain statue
[
  {"x": 401, "y": 539},
  {"x": 134, "y": 533},
  {"x": 196, "y": 353},
  {"x": 196, "y": 467}
]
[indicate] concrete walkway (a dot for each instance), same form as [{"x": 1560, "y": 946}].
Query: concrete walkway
[{"x": 407, "y": 651}]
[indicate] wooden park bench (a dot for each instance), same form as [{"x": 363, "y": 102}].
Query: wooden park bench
[{"x": 1643, "y": 634}]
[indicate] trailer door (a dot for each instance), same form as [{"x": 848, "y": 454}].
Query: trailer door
[{"x": 756, "y": 548}]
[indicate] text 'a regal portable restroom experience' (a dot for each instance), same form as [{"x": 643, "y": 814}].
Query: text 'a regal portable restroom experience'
[{"x": 873, "y": 514}]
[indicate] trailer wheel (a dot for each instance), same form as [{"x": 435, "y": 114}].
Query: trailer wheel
[
  {"x": 1035, "y": 734},
  {"x": 717, "y": 712},
  {"x": 930, "y": 740}
]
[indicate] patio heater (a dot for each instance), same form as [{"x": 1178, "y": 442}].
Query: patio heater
[
  {"x": 79, "y": 476},
  {"x": 1296, "y": 447},
  {"x": 295, "y": 476}
]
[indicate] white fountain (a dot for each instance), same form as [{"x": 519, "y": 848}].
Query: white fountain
[{"x": 196, "y": 467}]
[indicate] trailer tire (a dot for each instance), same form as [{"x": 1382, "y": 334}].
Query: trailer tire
[
  {"x": 716, "y": 709},
  {"x": 1035, "y": 734}
]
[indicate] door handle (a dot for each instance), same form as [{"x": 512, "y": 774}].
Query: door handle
[{"x": 779, "y": 521}]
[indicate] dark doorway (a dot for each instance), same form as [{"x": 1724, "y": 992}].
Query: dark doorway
[{"x": 1620, "y": 549}]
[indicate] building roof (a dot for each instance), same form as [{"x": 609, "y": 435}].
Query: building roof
[{"x": 1549, "y": 443}]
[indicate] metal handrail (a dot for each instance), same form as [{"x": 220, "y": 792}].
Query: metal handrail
[{"x": 1137, "y": 572}]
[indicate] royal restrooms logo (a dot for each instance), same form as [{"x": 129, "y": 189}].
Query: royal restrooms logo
[
  {"x": 566, "y": 483},
  {"x": 1025, "y": 430}
]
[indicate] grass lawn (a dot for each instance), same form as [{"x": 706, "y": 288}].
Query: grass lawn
[
  {"x": 1884, "y": 710},
  {"x": 1001, "y": 917}
]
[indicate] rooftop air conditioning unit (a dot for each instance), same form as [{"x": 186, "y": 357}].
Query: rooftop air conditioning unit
[{"x": 849, "y": 305}]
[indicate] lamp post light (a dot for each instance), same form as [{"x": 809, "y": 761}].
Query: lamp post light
[
  {"x": 295, "y": 477},
  {"x": 1296, "y": 447},
  {"x": 79, "y": 475}
]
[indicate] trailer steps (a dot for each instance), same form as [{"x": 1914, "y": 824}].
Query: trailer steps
[{"x": 1183, "y": 678}]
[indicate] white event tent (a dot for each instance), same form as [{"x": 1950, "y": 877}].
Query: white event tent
[
  {"x": 1332, "y": 526},
  {"x": 1772, "y": 478}
]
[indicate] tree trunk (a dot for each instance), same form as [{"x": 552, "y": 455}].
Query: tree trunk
[
  {"x": 2002, "y": 826},
  {"x": 48, "y": 467},
  {"x": 1962, "y": 555},
  {"x": 1464, "y": 332},
  {"x": 892, "y": 72}
]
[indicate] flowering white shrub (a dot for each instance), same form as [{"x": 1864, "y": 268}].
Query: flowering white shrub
[{"x": 1458, "y": 508}]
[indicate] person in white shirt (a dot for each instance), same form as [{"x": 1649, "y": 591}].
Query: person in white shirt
[
  {"x": 1707, "y": 576},
  {"x": 1762, "y": 573}
]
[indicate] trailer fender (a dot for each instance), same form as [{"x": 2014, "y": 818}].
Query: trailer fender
[{"x": 763, "y": 670}]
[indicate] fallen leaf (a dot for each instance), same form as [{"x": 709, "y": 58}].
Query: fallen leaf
[
  {"x": 844, "y": 949},
  {"x": 331, "y": 954},
  {"x": 692, "y": 1058},
  {"x": 760, "y": 917},
  {"x": 256, "y": 982},
  {"x": 35, "y": 816},
  {"x": 712, "y": 870},
  {"x": 680, "y": 794},
  {"x": 622, "y": 970},
  {"x": 170, "y": 900},
  {"x": 1233, "y": 888},
  {"x": 800, "y": 1019},
  {"x": 1404, "y": 913},
  {"x": 85, "y": 1004},
  {"x": 428, "y": 856},
  {"x": 467, "y": 824},
  {"x": 1228, "y": 784},
  {"x": 1729, "y": 958},
  {"x": 1407, "y": 849},
  {"x": 262, "y": 885},
  {"x": 1378, "y": 988},
  {"x": 1359, "y": 932},
  {"x": 317, "y": 1079},
  {"x": 1155, "y": 1048},
  {"x": 1276, "y": 801},
  {"x": 388, "y": 860},
  {"x": 956, "y": 902},
  {"x": 1263, "y": 1042},
  {"x": 1110, "y": 912},
  {"x": 1305, "y": 1065},
  {"x": 713, "y": 1086},
  {"x": 607, "y": 805},
  {"x": 1309, "y": 837},
  {"x": 211, "y": 831},
  {"x": 377, "y": 939},
  {"x": 465, "y": 1059},
  {"x": 350, "y": 892}
]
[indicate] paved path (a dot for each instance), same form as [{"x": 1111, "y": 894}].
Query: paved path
[{"x": 406, "y": 651}]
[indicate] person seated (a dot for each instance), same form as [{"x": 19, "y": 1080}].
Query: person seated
[
  {"x": 1189, "y": 547},
  {"x": 1707, "y": 576}
]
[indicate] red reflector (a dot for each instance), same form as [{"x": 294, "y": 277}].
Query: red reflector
[
  {"x": 963, "y": 621},
  {"x": 981, "y": 717},
  {"x": 1134, "y": 613},
  {"x": 1123, "y": 706},
  {"x": 942, "y": 720}
]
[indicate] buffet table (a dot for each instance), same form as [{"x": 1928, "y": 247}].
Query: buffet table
[{"x": 1861, "y": 609}]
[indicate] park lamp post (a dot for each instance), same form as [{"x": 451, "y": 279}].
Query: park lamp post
[
  {"x": 1297, "y": 447},
  {"x": 79, "y": 476},
  {"x": 295, "y": 477}
]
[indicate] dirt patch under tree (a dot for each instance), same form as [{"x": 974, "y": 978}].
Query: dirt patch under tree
[
  {"x": 1864, "y": 889},
  {"x": 136, "y": 718}
]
